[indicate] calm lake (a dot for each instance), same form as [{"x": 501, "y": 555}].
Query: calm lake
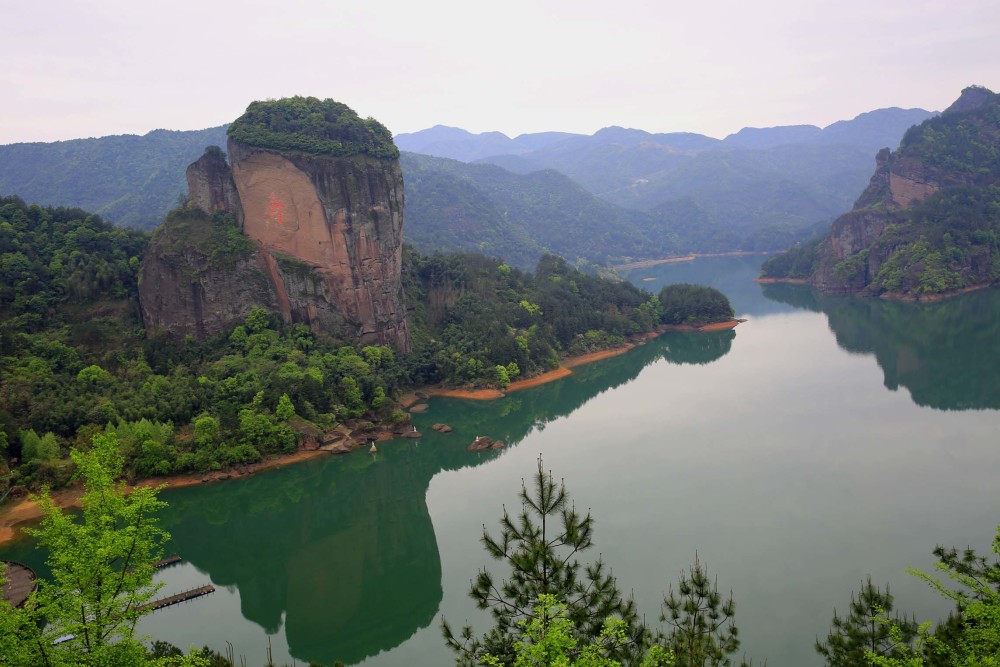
[{"x": 826, "y": 439}]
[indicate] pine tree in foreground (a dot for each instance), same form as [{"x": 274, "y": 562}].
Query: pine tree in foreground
[
  {"x": 702, "y": 629},
  {"x": 540, "y": 546},
  {"x": 864, "y": 631}
]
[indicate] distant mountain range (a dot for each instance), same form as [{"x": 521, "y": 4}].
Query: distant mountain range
[
  {"x": 760, "y": 188},
  {"x": 618, "y": 194}
]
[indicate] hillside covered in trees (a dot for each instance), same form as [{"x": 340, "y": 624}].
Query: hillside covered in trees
[
  {"x": 75, "y": 359},
  {"x": 929, "y": 221}
]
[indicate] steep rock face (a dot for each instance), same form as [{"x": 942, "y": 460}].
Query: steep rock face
[
  {"x": 314, "y": 238},
  {"x": 191, "y": 284},
  {"x": 950, "y": 154},
  {"x": 210, "y": 184},
  {"x": 850, "y": 236},
  {"x": 341, "y": 216}
]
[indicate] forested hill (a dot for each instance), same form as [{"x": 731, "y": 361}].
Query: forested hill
[
  {"x": 455, "y": 206},
  {"x": 75, "y": 358},
  {"x": 128, "y": 179},
  {"x": 929, "y": 220},
  {"x": 758, "y": 189}
]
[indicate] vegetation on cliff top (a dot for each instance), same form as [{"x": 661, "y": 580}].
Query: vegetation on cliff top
[
  {"x": 216, "y": 236},
  {"x": 312, "y": 125}
]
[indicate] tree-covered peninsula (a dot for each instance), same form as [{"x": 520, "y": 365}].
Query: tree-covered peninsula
[{"x": 75, "y": 359}]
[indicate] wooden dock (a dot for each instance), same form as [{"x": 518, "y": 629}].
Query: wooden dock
[
  {"x": 166, "y": 562},
  {"x": 178, "y": 598}
]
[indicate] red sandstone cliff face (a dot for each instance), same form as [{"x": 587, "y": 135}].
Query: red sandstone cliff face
[{"x": 327, "y": 239}]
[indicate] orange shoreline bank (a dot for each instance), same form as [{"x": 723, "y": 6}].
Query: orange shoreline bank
[
  {"x": 28, "y": 510},
  {"x": 565, "y": 367},
  {"x": 787, "y": 281}
]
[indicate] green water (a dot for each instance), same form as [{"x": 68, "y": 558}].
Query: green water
[{"x": 825, "y": 439}]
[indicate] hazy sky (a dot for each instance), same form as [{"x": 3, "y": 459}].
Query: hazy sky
[{"x": 77, "y": 68}]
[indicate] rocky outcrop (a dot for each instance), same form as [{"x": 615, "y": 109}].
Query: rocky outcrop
[
  {"x": 210, "y": 184},
  {"x": 186, "y": 290},
  {"x": 971, "y": 99},
  {"x": 946, "y": 153},
  {"x": 326, "y": 249}
]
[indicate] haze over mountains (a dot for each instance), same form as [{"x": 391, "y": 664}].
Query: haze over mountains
[{"x": 617, "y": 195}]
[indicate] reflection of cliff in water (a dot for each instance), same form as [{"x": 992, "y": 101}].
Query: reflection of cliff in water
[
  {"x": 344, "y": 547},
  {"x": 945, "y": 353}
]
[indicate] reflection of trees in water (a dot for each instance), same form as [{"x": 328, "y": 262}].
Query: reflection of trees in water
[
  {"x": 945, "y": 353},
  {"x": 697, "y": 348},
  {"x": 345, "y": 547},
  {"x": 514, "y": 417}
]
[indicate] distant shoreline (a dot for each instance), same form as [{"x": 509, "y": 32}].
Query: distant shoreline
[
  {"x": 888, "y": 296},
  {"x": 786, "y": 281},
  {"x": 646, "y": 263}
]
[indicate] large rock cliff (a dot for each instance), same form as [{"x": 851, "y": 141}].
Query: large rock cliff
[
  {"x": 928, "y": 221},
  {"x": 312, "y": 232}
]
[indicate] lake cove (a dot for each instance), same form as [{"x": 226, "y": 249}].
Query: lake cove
[{"x": 825, "y": 439}]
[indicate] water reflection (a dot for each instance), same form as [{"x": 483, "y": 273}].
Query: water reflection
[
  {"x": 345, "y": 551},
  {"x": 342, "y": 552},
  {"x": 945, "y": 353}
]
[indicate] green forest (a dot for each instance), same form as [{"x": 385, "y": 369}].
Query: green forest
[{"x": 75, "y": 360}]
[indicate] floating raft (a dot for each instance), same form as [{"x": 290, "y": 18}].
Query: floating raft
[{"x": 177, "y": 599}]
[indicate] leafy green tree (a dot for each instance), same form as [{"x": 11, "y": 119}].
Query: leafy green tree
[
  {"x": 694, "y": 304},
  {"x": 702, "y": 632},
  {"x": 540, "y": 546},
  {"x": 38, "y": 448},
  {"x": 976, "y": 640},
  {"x": 861, "y": 632},
  {"x": 93, "y": 375},
  {"x": 548, "y": 638},
  {"x": 102, "y": 573},
  {"x": 285, "y": 410}
]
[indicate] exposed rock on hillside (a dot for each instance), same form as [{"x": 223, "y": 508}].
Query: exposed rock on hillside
[
  {"x": 929, "y": 221},
  {"x": 210, "y": 184},
  {"x": 324, "y": 232}
]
